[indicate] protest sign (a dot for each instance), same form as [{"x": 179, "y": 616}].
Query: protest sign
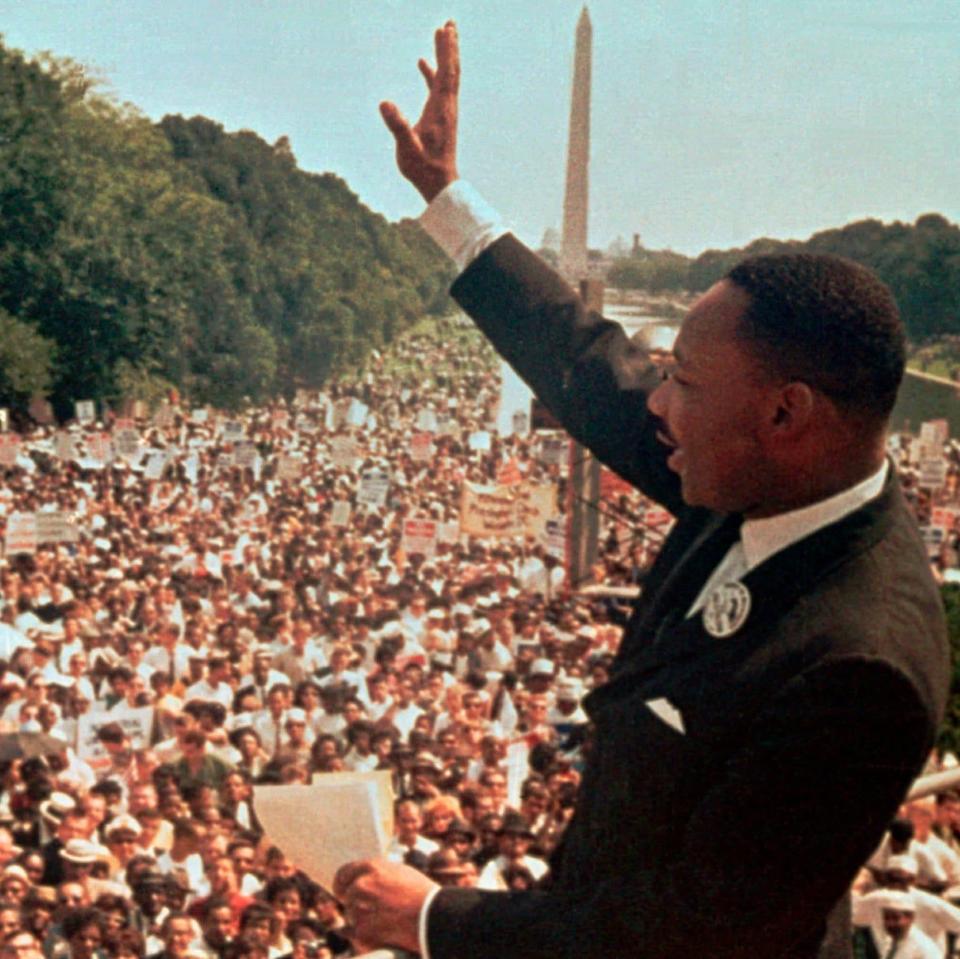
[
  {"x": 427, "y": 421},
  {"x": 553, "y": 450},
  {"x": 934, "y": 433},
  {"x": 420, "y": 536},
  {"x": 56, "y": 527},
  {"x": 421, "y": 447},
  {"x": 245, "y": 456},
  {"x": 279, "y": 419},
  {"x": 126, "y": 440},
  {"x": 9, "y": 449},
  {"x": 374, "y": 485},
  {"x": 155, "y": 464},
  {"x": 231, "y": 431},
  {"x": 356, "y": 413},
  {"x": 340, "y": 514},
  {"x": 290, "y": 467},
  {"x": 479, "y": 441},
  {"x": 343, "y": 452},
  {"x": 64, "y": 447},
  {"x": 85, "y": 411},
  {"x": 199, "y": 415},
  {"x": 554, "y": 537},
  {"x": 933, "y": 472},
  {"x": 100, "y": 447},
  {"x": 136, "y": 723},
  {"x": 21, "y": 536},
  {"x": 506, "y": 511}
]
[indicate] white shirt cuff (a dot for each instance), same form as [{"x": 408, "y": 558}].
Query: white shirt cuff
[
  {"x": 422, "y": 922},
  {"x": 462, "y": 223}
]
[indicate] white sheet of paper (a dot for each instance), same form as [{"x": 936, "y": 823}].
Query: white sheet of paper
[{"x": 320, "y": 827}]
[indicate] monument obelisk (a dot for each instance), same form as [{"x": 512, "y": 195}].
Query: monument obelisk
[{"x": 573, "y": 244}]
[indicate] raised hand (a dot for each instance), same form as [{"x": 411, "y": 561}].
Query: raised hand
[{"x": 427, "y": 152}]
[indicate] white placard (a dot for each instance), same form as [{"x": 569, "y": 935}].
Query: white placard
[
  {"x": 933, "y": 472},
  {"x": 155, "y": 465},
  {"x": 373, "y": 489},
  {"x": 245, "y": 455},
  {"x": 357, "y": 413},
  {"x": 340, "y": 514},
  {"x": 85, "y": 411},
  {"x": 427, "y": 421},
  {"x": 290, "y": 467},
  {"x": 21, "y": 536},
  {"x": 343, "y": 452},
  {"x": 56, "y": 527},
  {"x": 232, "y": 431},
  {"x": 136, "y": 723},
  {"x": 420, "y": 536},
  {"x": 480, "y": 441}
]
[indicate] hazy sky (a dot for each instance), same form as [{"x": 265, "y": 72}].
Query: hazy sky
[{"x": 713, "y": 122}]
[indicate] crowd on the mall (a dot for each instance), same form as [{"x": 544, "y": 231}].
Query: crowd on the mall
[{"x": 273, "y": 629}]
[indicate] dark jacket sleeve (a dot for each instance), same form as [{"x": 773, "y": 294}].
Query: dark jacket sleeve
[
  {"x": 765, "y": 855},
  {"x": 581, "y": 366}
]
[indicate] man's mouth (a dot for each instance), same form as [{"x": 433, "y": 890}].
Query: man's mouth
[{"x": 675, "y": 459}]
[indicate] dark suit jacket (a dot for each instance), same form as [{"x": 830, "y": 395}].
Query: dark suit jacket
[{"x": 739, "y": 836}]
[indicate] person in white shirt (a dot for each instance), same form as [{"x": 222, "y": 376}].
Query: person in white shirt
[
  {"x": 216, "y": 686},
  {"x": 933, "y": 916},
  {"x": 893, "y": 928},
  {"x": 408, "y": 823}
]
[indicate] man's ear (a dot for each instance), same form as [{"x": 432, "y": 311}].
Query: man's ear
[{"x": 795, "y": 409}]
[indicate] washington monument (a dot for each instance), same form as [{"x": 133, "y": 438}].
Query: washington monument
[{"x": 573, "y": 244}]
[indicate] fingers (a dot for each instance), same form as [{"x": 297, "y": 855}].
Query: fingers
[
  {"x": 428, "y": 72},
  {"x": 448, "y": 59},
  {"x": 397, "y": 123}
]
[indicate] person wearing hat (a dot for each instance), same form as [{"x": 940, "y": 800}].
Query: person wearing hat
[
  {"x": 932, "y": 915},
  {"x": 150, "y": 899},
  {"x": 513, "y": 841},
  {"x": 894, "y": 933},
  {"x": 446, "y": 868}
]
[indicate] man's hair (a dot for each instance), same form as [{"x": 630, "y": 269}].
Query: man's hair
[{"x": 828, "y": 322}]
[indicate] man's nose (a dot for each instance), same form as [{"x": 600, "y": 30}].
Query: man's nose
[{"x": 657, "y": 400}]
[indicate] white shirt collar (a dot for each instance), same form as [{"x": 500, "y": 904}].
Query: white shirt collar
[{"x": 762, "y": 538}]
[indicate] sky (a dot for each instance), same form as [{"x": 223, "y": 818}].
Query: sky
[{"x": 714, "y": 121}]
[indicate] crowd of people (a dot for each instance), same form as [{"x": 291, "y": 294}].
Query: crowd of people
[{"x": 222, "y": 611}]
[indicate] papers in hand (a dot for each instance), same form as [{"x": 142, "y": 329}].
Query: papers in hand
[{"x": 338, "y": 818}]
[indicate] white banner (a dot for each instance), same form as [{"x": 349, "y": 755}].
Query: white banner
[
  {"x": 136, "y": 723},
  {"x": 21, "y": 534}
]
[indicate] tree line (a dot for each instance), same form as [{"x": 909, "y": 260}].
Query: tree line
[
  {"x": 920, "y": 262},
  {"x": 139, "y": 256}
]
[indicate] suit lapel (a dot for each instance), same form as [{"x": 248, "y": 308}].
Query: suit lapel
[{"x": 774, "y": 585}]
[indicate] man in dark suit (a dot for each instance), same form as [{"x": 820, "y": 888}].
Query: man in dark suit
[{"x": 782, "y": 678}]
